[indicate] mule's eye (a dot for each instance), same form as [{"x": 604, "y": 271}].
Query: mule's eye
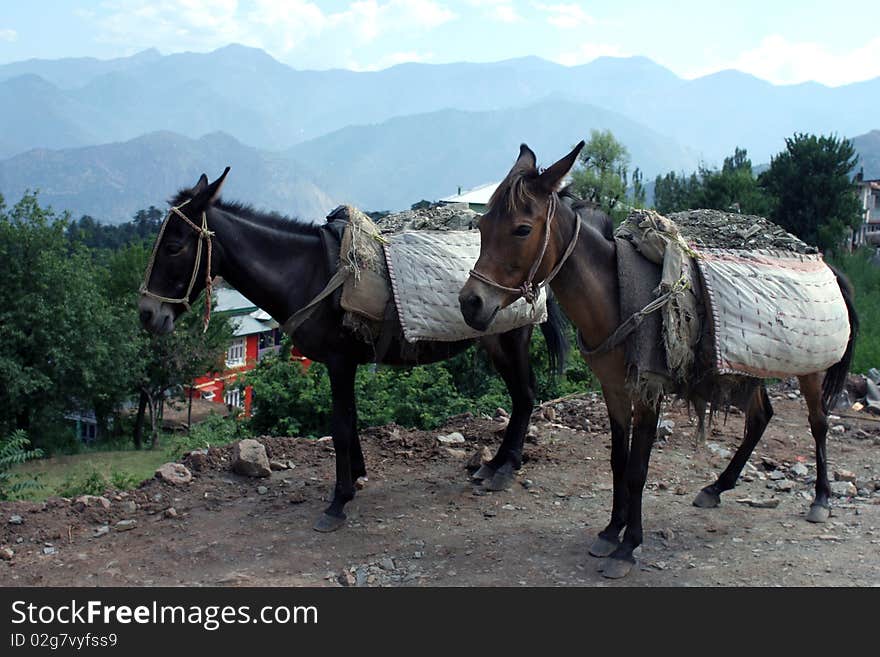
[
  {"x": 173, "y": 248},
  {"x": 522, "y": 230}
]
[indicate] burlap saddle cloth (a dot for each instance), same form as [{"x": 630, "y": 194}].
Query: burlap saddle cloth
[
  {"x": 421, "y": 272},
  {"x": 770, "y": 311}
]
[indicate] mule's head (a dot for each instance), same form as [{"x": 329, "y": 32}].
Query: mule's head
[
  {"x": 178, "y": 266},
  {"x": 512, "y": 237}
]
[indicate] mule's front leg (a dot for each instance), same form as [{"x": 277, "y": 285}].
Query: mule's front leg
[
  {"x": 621, "y": 561},
  {"x": 620, "y": 414},
  {"x": 343, "y": 424}
]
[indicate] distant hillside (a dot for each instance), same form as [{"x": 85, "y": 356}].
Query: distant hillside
[
  {"x": 403, "y": 160},
  {"x": 113, "y": 181},
  {"x": 868, "y": 148},
  {"x": 246, "y": 93}
]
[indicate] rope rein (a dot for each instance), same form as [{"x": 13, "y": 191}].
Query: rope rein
[
  {"x": 529, "y": 290},
  {"x": 204, "y": 235}
]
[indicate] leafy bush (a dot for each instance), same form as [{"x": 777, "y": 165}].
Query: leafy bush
[
  {"x": 215, "y": 430},
  {"x": 290, "y": 400},
  {"x": 865, "y": 278},
  {"x": 14, "y": 451},
  {"x": 89, "y": 483}
]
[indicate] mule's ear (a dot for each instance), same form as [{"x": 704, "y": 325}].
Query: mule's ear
[
  {"x": 553, "y": 175},
  {"x": 215, "y": 187},
  {"x": 200, "y": 186},
  {"x": 526, "y": 162}
]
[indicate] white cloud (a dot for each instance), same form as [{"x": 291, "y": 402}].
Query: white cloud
[
  {"x": 566, "y": 16},
  {"x": 502, "y": 11},
  {"x": 8, "y": 35},
  {"x": 281, "y": 27},
  {"x": 587, "y": 52},
  {"x": 781, "y": 61}
]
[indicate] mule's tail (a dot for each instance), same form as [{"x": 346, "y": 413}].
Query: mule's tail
[
  {"x": 835, "y": 377},
  {"x": 554, "y": 335}
]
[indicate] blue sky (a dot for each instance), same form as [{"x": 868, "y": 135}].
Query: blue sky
[{"x": 782, "y": 41}]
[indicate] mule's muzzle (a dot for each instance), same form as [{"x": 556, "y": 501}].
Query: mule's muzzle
[
  {"x": 476, "y": 312},
  {"x": 156, "y": 317}
]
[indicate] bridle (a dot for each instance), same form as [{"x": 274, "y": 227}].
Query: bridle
[
  {"x": 529, "y": 290},
  {"x": 204, "y": 235}
]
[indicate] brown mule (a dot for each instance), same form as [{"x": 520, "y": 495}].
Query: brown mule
[{"x": 529, "y": 238}]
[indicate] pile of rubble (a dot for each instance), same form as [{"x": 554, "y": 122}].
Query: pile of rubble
[
  {"x": 728, "y": 230},
  {"x": 455, "y": 216}
]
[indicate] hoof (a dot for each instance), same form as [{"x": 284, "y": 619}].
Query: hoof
[
  {"x": 327, "y": 523},
  {"x": 707, "y": 500},
  {"x": 818, "y": 513},
  {"x": 616, "y": 568},
  {"x": 485, "y": 472},
  {"x": 502, "y": 479},
  {"x": 602, "y": 547}
]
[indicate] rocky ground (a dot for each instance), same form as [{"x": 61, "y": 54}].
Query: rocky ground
[{"x": 420, "y": 521}]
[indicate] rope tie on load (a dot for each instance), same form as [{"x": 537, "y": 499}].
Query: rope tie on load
[{"x": 623, "y": 331}]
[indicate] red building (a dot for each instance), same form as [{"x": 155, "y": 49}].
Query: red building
[{"x": 256, "y": 334}]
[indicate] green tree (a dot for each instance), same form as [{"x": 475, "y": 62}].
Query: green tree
[
  {"x": 14, "y": 450},
  {"x": 732, "y": 189},
  {"x": 813, "y": 194},
  {"x": 603, "y": 175},
  {"x": 63, "y": 341}
]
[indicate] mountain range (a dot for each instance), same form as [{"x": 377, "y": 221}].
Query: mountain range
[{"x": 377, "y": 139}]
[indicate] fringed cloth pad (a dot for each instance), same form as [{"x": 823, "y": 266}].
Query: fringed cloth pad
[
  {"x": 774, "y": 313},
  {"x": 428, "y": 269}
]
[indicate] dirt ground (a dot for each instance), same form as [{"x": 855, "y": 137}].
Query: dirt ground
[{"x": 420, "y": 521}]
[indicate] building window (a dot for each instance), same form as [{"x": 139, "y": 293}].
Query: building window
[
  {"x": 232, "y": 397},
  {"x": 235, "y": 353}
]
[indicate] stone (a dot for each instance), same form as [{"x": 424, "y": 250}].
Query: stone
[
  {"x": 125, "y": 525},
  {"x": 198, "y": 459},
  {"x": 776, "y": 475},
  {"x": 84, "y": 501},
  {"x": 844, "y": 475},
  {"x": 249, "y": 459},
  {"x": 129, "y": 506},
  {"x": 16, "y": 520},
  {"x": 838, "y": 429},
  {"x": 49, "y": 549},
  {"x": 784, "y": 485},
  {"x": 799, "y": 470},
  {"x": 6, "y": 554},
  {"x": 170, "y": 512},
  {"x": 455, "y": 453},
  {"x": 532, "y": 433},
  {"x": 454, "y": 438},
  {"x": 478, "y": 458},
  {"x": 843, "y": 489},
  {"x": 174, "y": 473},
  {"x": 500, "y": 413},
  {"x": 345, "y": 578},
  {"x": 718, "y": 450},
  {"x": 549, "y": 413},
  {"x": 262, "y": 490},
  {"x": 665, "y": 428},
  {"x": 103, "y": 530},
  {"x": 279, "y": 465},
  {"x": 387, "y": 563}
]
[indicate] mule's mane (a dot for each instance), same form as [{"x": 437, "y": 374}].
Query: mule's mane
[
  {"x": 513, "y": 193},
  {"x": 247, "y": 212}
]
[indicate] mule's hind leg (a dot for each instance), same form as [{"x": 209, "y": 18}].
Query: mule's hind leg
[
  {"x": 758, "y": 415},
  {"x": 510, "y": 356},
  {"x": 620, "y": 415},
  {"x": 343, "y": 423},
  {"x": 811, "y": 387}
]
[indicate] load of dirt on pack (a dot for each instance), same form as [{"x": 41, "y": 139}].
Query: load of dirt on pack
[
  {"x": 431, "y": 217},
  {"x": 727, "y": 230}
]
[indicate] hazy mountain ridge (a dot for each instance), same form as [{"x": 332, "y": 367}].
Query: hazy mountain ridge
[
  {"x": 245, "y": 92},
  {"x": 111, "y": 182}
]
